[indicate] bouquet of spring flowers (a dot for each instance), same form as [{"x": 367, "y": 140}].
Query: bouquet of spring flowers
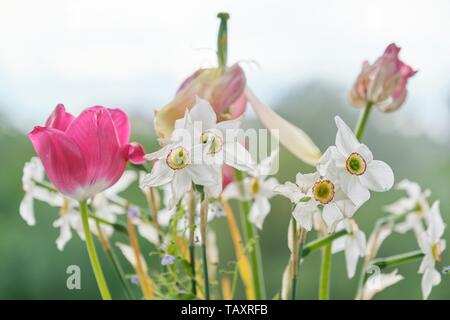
[{"x": 205, "y": 161}]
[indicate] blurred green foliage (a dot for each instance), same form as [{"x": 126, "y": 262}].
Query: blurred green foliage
[{"x": 33, "y": 268}]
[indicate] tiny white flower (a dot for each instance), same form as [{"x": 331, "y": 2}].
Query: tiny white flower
[
  {"x": 353, "y": 244},
  {"x": 33, "y": 174},
  {"x": 257, "y": 187},
  {"x": 357, "y": 171},
  {"x": 69, "y": 219},
  {"x": 416, "y": 206},
  {"x": 314, "y": 195},
  {"x": 432, "y": 246}
]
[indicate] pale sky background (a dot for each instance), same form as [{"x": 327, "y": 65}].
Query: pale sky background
[{"x": 134, "y": 54}]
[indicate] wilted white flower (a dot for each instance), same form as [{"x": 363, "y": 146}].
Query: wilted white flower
[
  {"x": 432, "y": 246},
  {"x": 354, "y": 166},
  {"x": 257, "y": 187},
  {"x": 415, "y": 206},
  {"x": 353, "y": 244},
  {"x": 378, "y": 283}
]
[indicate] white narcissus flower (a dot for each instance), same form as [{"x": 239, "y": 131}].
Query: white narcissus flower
[
  {"x": 378, "y": 283},
  {"x": 220, "y": 140},
  {"x": 353, "y": 244},
  {"x": 432, "y": 246},
  {"x": 257, "y": 187},
  {"x": 180, "y": 163},
  {"x": 415, "y": 205},
  {"x": 357, "y": 171},
  {"x": 315, "y": 195},
  {"x": 33, "y": 174}
]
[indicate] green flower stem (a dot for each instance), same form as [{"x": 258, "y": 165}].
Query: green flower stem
[
  {"x": 95, "y": 263},
  {"x": 398, "y": 259},
  {"x": 192, "y": 205},
  {"x": 119, "y": 272},
  {"x": 251, "y": 235},
  {"x": 294, "y": 260},
  {"x": 117, "y": 226},
  {"x": 222, "y": 40},
  {"x": 203, "y": 223},
  {"x": 393, "y": 261},
  {"x": 319, "y": 243},
  {"x": 362, "y": 121},
  {"x": 325, "y": 272},
  {"x": 205, "y": 272},
  {"x": 114, "y": 261}
]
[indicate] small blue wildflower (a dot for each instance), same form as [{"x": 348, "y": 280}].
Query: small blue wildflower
[
  {"x": 133, "y": 212},
  {"x": 220, "y": 214},
  {"x": 167, "y": 259},
  {"x": 134, "y": 279}
]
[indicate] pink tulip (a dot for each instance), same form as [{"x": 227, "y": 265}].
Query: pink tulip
[
  {"x": 227, "y": 176},
  {"x": 85, "y": 155},
  {"x": 224, "y": 90},
  {"x": 383, "y": 83}
]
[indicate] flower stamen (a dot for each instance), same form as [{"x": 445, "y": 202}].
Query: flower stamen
[
  {"x": 323, "y": 191},
  {"x": 255, "y": 186},
  {"x": 355, "y": 164},
  {"x": 436, "y": 251},
  {"x": 215, "y": 140},
  {"x": 178, "y": 158}
]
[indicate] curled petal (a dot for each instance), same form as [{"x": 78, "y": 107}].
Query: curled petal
[
  {"x": 136, "y": 153},
  {"x": 59, "y": 119},
  {"x": 293, "y": 138}
]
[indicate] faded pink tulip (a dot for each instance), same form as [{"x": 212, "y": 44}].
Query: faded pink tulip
[
  {"x": 383, "y": 84},
  {"x": 85, "y": 155},
  {"x": 224, "y": 89}
]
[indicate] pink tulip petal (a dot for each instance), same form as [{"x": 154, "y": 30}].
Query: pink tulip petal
[
  {"x": 228, "y": 88},
  {"x": 62, "y": 159},
  {"x": 187, "y": 82},
  {"x": 94, "y": 132},
  {"x": 121, "y": 124},
  {"x": 59, "y": 119},
  {"x": 136, "y": 154},
  {"x": 227, "y": 175},
  {"x": 239, "y": 106}
]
